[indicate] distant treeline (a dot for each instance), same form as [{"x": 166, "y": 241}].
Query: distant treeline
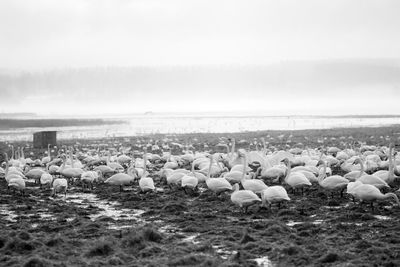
[{"x": 17, "y": 123}]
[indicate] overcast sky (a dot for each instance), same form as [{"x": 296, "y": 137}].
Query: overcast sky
[{"x": 43, "y": 35}]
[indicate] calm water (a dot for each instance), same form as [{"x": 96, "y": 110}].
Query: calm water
[{"x": 140, "y": 125}]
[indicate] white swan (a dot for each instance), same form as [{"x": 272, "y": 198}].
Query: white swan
[
  {"x": 120, "y": 179},
  {"x": 244, "y": 198},
  {"x": 296, "y": 179},
  {"x": 369, "y": 193},
  {"x": 35, "y": 174},
  {"x": 370, "y": 179},
  {"x": 46, "y": 179},
  {"x": 70, "y": 172},
  {"x": 190, "y": 181},
  {"x": 387, "y": 175},
  {"x": 217, "y": 185},
  {"x": 60, "y": 185},
  {"x": 254, "y": 185},
  {"x": 146, "y": 184},
  {"x": 88, "y": 178},
  {"x": 17, "y": 184},
  {"x": 274, "y": 194},
  {"x": 332, "y": 183}
]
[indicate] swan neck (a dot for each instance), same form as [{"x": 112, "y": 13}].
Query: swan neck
[
  {"x": 6, "y": 159},
  {"x": 63, "y": 165},
  {"x": 389, "y": 195},
  {"x": 289, "y": 168},
  {"x": 192, "y": 170},
  {"x": 209, "y": 168},
  {"x": 264, "y": 145},
  {"x": 322, "y": 174},
  {"x": 233, "y": 147},
  {"x": 244, "y": 167},
  {"x": 361, "y": 169},
  {"x": 228, "y": 150},
  {"x": 236, "y": 187},
  {"x": 391, "y": 165},
  {"x": 144, "y": 163},
  {"x": 257, "y": 173}
]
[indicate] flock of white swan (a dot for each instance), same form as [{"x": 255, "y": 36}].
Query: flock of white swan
[{"x": 251, "y": 177}]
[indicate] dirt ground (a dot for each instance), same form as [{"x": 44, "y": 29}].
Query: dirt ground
[{"x": 104, "y": 227}]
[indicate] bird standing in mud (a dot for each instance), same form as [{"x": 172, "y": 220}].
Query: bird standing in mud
[
  {"x": 120, "y": 179},
  {"x": 146, "y": 183},
  {"x": 274, "y": 194},
  {"x": 244, "y": 198},
  {"x": 60, "y": 185},
  {"x": 217, "y": 185},
  {"x": 295, "y": 179},
  {"x": 370, "y": 179},
  {"x": 331, "y": 183},
  {"x": 370, "y": 193}
]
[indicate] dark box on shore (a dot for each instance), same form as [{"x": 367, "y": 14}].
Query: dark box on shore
[{"x": 42, "y": 139}]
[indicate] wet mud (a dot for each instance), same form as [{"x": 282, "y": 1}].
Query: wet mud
[{"x": 104, "y": 227}]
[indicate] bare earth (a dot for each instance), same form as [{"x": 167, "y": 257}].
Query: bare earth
[{"x": 104, "y": 227}]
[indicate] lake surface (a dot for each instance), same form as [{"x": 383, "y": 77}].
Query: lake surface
[{"x": 169, "y": 124}]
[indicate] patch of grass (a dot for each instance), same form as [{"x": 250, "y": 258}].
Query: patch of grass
[
  {"x": 149, "y": 234},
  {"x": 24, "y": 235},
  {"x": 3, "y": 241},
  {"x": 134, "y": 241},
  {"x": 293, "y": 250},
  {"x": 330, "y": 257},
  {"x": 36, "y": 262},
  {"x": 19, "y": 246},
  {"x": 194, "y": 260},
  {"x": 150, "y": 251},
  {"x": 54, "y": 242},
  {"x": 287, "y": 212},
  {"x": 204, "y": 247},
  {"x": 115, "y": 261},
  {"x": 277, "y": 229},
  {"x": 138, "y": 240},
  {"x": 101, "y": 248},
  {"x": 174, "y": 207},
  {"x": 363, "y": 244}
]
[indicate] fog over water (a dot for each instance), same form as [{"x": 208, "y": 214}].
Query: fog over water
[{"x": 91, "y": 58}]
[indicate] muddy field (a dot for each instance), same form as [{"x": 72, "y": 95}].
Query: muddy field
[{"x": 104, "y": 227}]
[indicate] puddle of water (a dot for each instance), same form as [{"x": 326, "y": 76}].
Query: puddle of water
[
  {"x": 383, "y": 218},
  {"x": 8, "y": 214},
  {"x": 118, "y": 227},
  {"x": 292, "y": 223},
  {"x": 168, "y": 229},
  {"x": 122, "y": 217},
  {"x": 263, "y": 262},
  {"x": 202, "y": 189},
  {"x": 191, "y": 238},
  {"x": 44, "y": 215},
  {"x": 349, "y": 223},
  {"x": 332, "y": 207},
  {"x": 223, "y": 253}
]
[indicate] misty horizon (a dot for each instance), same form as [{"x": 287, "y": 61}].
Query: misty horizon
[
  {"x": 265, "y": 89},
  {"x": 86, "y": 57}
]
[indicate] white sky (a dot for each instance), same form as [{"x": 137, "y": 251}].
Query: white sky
[{"x": 46, "y": 34}]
